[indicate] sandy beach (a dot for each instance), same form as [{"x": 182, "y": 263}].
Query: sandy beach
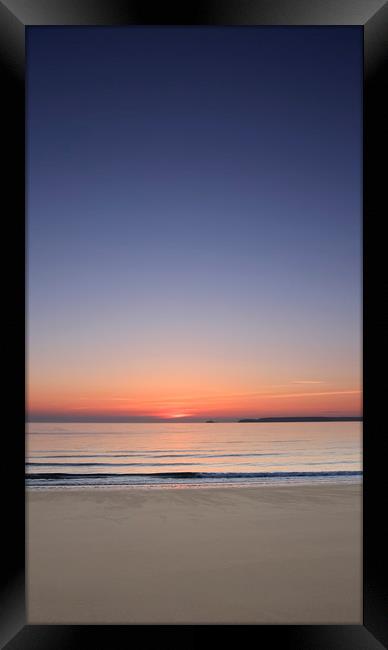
[{"x": 287, "y": 554}]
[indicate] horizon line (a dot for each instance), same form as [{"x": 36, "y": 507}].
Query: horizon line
[{"x": 199, "y": 419}]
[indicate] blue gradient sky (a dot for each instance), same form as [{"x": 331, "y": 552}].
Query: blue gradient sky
[{"x": 194, "y": 220}]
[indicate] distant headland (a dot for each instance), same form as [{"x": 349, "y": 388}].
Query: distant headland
[{"x": 305, "y": 419}]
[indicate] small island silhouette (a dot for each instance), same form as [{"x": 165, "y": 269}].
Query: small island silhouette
[{"x": 305, "y": 419}]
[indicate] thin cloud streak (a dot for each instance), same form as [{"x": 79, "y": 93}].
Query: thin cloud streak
[
  {"x": 185, "y": 400},
  {"x": 308, "y": 381}
]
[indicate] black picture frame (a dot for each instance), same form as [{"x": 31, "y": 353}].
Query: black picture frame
[{"x": 372, "y": 16}]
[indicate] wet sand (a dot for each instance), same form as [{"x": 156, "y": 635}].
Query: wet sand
[{"x": 287, "y": 554}]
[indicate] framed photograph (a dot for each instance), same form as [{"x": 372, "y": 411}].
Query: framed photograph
[{"x": 194, "y": 198}]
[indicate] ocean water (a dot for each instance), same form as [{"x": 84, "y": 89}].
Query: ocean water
[{"x": 191, "y": 454}]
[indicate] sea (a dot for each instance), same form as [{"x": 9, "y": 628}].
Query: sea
[{"x": 178, "y": 455}]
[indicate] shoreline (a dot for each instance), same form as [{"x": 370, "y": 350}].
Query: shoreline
[
  {"x": 205, "y": 485},
  {"x": 162, "y": 480},
  {"x": 259, "y": 554}
]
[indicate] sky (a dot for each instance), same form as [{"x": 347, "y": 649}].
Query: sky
[{"x": 193, "y": 222}]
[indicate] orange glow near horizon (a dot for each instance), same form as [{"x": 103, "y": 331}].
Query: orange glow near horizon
[
  {"x": 284, "y": 400},
  {"x": 176, "y": 382}
]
